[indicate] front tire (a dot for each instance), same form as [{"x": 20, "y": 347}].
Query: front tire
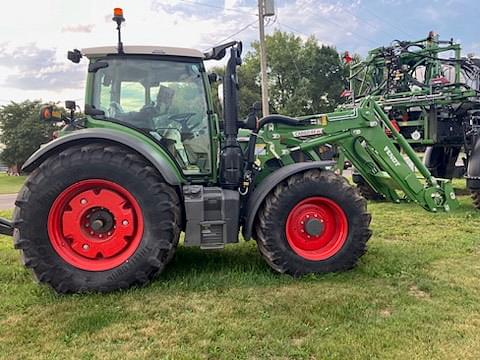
[
  {"x": 96, "y": 218},
  {"x": 313, "y": 222}
]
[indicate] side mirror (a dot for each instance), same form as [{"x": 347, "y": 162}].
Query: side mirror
[
  {"x": 74, "y": 56},
  {"x": 251, "y": 121},
  {"x": 70, "y": 105},
  {"x": 47, "y": 113}
]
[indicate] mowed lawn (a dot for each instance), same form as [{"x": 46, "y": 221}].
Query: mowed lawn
[
  {"x": 415, "y": 294},
  {"x": 10, "y": 184}
]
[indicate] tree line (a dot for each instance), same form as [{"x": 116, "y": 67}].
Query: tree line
[{"x": 303, "y": 78}]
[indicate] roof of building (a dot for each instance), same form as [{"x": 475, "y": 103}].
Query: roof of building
[{"x": 144, "y": 50}]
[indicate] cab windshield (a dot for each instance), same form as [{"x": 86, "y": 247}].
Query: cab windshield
[{"x": 164, "y": 98}]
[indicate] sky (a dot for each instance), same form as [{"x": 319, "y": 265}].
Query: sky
[{"x": 36, "y": 35}]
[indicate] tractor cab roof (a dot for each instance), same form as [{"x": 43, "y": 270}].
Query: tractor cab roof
[{"x": 99, "y": 51}]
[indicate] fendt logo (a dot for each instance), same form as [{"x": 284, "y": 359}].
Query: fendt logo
[{"x": 391, "y": 156}]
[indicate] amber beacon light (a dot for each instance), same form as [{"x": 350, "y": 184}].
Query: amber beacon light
[{"x": 118, "y": 12}]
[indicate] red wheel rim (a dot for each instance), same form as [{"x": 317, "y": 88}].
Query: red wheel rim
[
  {"x": 95, "y": 225},
  {"x": 316, "y": 228}
]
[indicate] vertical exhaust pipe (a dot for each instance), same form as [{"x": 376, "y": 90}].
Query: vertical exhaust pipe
[{"x": 231, "y": 155}]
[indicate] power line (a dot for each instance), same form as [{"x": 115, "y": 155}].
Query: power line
[
  {"x": 339, "y": 49},
  {"x": 271, "y": 21},
  {"x": 366, "y": 22},
  {"x": 306, "y": 35},
  {"x": 225, "y": 9},
  {"x": 292, "y": 29},
  {"x": 235, "y": 33},
  {"x": 341, "y": 27},
  {"x": 348, "y": 30},
  {"x": 246, "y": 12},
  {"x": 386, "y": 22},
  {"x": 218, "y": 7},
  {"x": 325, "y": 19}
]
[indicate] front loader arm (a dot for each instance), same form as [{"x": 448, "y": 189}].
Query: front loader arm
[
  {"x": 380, "y": 162},
  {"x": 360, "y": 135}
]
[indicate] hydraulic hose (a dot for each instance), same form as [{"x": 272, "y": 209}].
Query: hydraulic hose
[
  {"x": 250, "y": 151},
  {"x": 270, "y": 119},
  {"x": 278, "y": 119}
]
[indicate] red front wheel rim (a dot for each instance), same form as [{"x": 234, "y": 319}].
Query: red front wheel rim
[
  {"x": 95, "y": 225},
  {"x": 316, "y": 228}
]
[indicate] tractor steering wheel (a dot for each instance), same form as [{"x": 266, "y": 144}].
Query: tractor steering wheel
[{"x": 183, "y": 119}]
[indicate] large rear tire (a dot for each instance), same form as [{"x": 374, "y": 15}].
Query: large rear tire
[
  {"x": 313, "y": 222},
  {"x": 96, "y": 218}
]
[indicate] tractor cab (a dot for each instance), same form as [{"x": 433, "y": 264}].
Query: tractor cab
[
  {"x": 162, "y": 97},
  {"x": 161, "y": 91}
]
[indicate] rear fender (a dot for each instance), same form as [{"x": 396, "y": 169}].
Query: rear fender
[{"x": 141, "y": 144}]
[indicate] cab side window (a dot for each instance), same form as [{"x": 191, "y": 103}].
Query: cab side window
[{"x": 167, "y": 99}]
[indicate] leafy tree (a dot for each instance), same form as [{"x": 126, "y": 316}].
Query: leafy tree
[
  {"x": 249, "y": 80},
  {"x": 249, "y": 88},
  {"x": 22, "y": 132},
  {"x": 304, "y": 77}
]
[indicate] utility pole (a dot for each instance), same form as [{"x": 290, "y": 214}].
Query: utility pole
[{"x": 263, "y": 57}]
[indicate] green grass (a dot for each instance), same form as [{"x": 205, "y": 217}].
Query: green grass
[
  {"x": 10, "y": 184},
  {"x": 415, "y": 294}
]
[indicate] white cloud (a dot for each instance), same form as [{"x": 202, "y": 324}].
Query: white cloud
[
  {"x": 82, "y": 28},
  {"x": 33, "y": 62},
  {"x": 331, "y": 23},
  {"x": 32, "y": 72}
]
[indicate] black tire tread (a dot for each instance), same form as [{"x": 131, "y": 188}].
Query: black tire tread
[
  {"x": 32, "y": 253},
  {"x": 475, "y": 199},
  {"x": 268, "y": 214}
]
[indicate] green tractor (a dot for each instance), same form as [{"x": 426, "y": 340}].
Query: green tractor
[{"x": 105, "y": 203}]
